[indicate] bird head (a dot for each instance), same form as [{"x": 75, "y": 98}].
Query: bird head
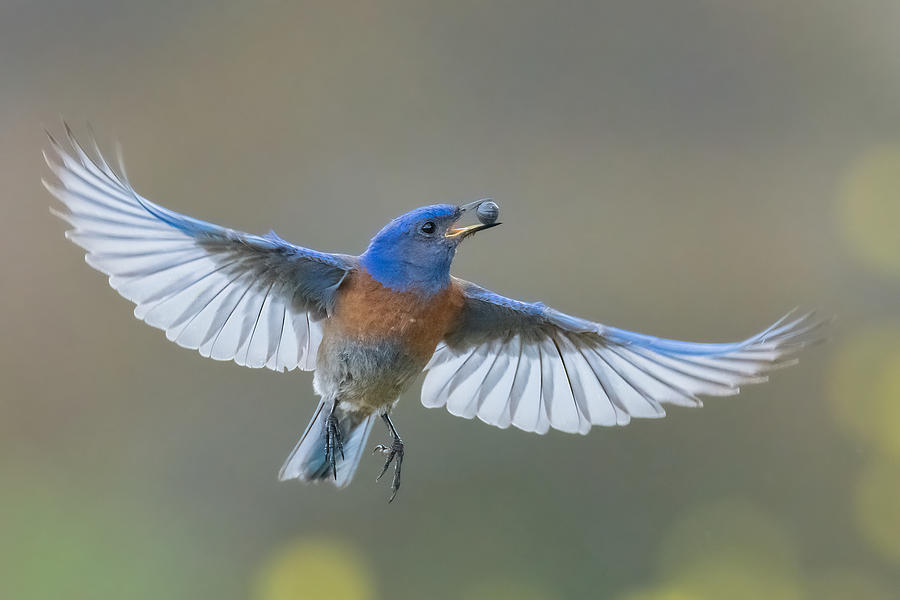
[{"x": 414, "y": 251}]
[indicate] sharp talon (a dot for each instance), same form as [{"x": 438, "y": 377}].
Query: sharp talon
[
  {"x": 384, "y": 470},
  {"x": 387, "y": 464},
  {"x": 394, "y": 455}
]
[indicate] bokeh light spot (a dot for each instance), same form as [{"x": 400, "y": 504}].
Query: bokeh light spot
[
  {"x": 661, "y": 593},
  {"x": 506, "y": 589},
  {"x": 315, "y": 568},
  {"x": 864, "y": 388},
  {"x": 728, "y": 549},
  {"x": 849, "y": 584},
  {"x": 733, "y": 531},
  {"x": 869, "y": 209},
  {"x": 715, "y": 578},
  {"x": 878, "y": 507},
  {"x": 725, "y": 577}
]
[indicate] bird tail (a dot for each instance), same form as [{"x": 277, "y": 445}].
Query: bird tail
[{"x": 308, "y": 460}]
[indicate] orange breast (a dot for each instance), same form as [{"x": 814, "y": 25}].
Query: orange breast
[{"x": 368, "y": 311}]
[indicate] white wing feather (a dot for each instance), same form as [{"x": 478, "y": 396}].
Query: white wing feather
[
  {"x": 230, "y": 295},
  {"x": 534, "y": 368}
]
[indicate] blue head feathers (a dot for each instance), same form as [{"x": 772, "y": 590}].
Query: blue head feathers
[{"x": 414, "y": 251}]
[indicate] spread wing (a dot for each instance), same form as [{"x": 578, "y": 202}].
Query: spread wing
[
  {"x": 514, "y": 363},
  {"x": 231, "y": 295}
]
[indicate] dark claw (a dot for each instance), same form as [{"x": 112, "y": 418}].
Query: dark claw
[
  {"x": 394, "y": 451},
  {"x": 390, "y": 457}
]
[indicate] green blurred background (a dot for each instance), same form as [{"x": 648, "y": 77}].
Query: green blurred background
[{"x": 689, "y": 168}]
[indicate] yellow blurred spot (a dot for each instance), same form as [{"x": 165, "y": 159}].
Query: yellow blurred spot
[
  {"x": 728, "y": 549},
  {"x": 864, "y": 388},
  {"x": 715, "y": 578},
  {"x": 723, "y": 577},
  {"x": 506, "y": 589},
  {"x": 315, "y": 568},
  {"x": 878, "y": 507},
  {"x": 869, "y": 209},
  {"x": 660, "y": 594},
  {"x": 731, "y": 531},
  {"x": 849, "y": 584}
]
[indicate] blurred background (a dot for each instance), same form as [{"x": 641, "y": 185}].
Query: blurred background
[{"x": 689, "y": 169}]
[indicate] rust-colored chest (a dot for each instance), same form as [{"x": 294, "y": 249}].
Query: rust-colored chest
[{"x": 368, "y": 311}]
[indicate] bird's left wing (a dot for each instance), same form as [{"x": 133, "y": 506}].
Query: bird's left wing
[
  {"x": 533, "y": 367},
  {"x": 253, "y": 299}
]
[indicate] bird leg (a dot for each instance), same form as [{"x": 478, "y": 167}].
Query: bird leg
[
  {"x": 394, "y": 451},
  {"x": 333, "y": 441}
]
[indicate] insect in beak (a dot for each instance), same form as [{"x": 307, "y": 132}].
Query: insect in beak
[{"x": 487, "y": 212}]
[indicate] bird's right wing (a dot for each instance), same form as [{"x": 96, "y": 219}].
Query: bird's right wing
[
  {"x": 253, "y": 299},
  {"x": 527, "y": 365}
]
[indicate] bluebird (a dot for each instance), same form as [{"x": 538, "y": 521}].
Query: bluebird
[{"x": 368, "y": 325}]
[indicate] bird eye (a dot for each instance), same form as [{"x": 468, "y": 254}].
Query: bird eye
[{"x": 427, "y": 227}]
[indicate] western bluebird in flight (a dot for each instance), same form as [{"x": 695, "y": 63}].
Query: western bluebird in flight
[{"x": 369, "y": 324}]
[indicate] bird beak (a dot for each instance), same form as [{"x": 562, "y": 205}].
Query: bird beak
[{"x": 459, "y": 232}]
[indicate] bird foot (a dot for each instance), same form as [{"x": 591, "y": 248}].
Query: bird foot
[
  {"x": 333, "y": 443},
  {"x": 394, "y": 454}
]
